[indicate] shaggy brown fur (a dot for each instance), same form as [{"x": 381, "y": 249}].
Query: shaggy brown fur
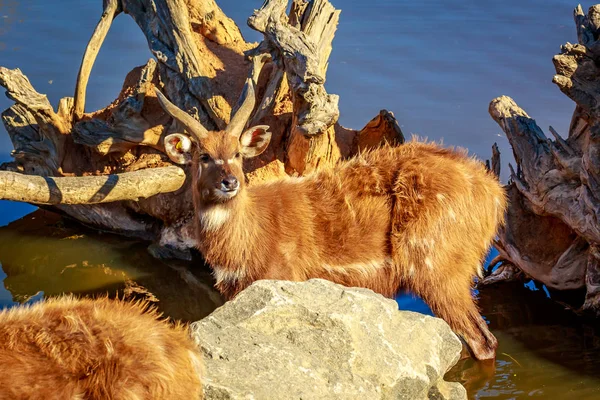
[
  {"x": 417, "y": 217},
  {"x": 94, "y": 349}
]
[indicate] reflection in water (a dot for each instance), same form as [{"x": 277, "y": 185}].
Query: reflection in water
[
  {"x": 42, "y": 253},
  {"x": 545, "y": 350}
]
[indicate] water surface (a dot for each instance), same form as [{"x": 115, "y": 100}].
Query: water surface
[
  {"x": 436, "y": 64},
  {"x": 43, "y": 254}
]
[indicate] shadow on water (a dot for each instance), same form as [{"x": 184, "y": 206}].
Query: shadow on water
[{"x": 45, "y": 255}]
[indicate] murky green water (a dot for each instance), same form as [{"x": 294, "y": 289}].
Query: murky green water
[
  {"x": 44, "y": 255},
  {"x": 545, "y": 351}
]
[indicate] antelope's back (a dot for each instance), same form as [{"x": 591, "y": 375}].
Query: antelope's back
[{"x": 445, "y": 205}]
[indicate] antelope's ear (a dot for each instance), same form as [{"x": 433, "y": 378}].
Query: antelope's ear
[
  {"x": 179, "y": 148},
  {"x": 255, "y": 140}
]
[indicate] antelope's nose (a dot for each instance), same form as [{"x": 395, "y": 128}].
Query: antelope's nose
[{"x": 230, "y": 184}]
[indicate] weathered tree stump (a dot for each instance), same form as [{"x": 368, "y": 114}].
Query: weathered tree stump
[
  {"x": 552, "y": 231},
  {"x": 75, "y": 161}
]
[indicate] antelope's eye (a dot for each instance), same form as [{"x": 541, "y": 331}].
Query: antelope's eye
[
  {"x": 238, "y": 155},
  {"x": 204, "y": 158}
]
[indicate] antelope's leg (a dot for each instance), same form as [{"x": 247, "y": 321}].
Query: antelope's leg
[{"x": 451, "y": 300}]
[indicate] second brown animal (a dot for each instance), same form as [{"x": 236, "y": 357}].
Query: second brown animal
[{"x": 102, "y": 349}]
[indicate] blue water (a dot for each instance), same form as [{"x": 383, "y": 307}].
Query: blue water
[
  {"x": 9, "y": 210},
  {"x": 435, "y": 64}
]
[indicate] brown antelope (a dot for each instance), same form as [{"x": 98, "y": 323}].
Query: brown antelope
[
  {"x": 94, "y": 349},
  {"x": 416, "y": 217}
]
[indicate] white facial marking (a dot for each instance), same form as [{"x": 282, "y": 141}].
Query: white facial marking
[
  {"x": 231, "y": 161},
  {"x": 223, "y": 195},
  {"x": 214, "y": 217},
  {"x": 219, "y": 162},
  {"x": 199, "y": 169}
]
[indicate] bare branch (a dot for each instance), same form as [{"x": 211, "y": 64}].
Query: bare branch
[
  {"x": 111, "y": 10},
  {"x": 584, "y": 33},
  {"x": 37, "y": 132},
  {"x": 301, "y": 47},
  {"x": 494, "y": 165},
  {"x": 90, "y": 189},
  {"x": 542, "y": 181},
  {"x": 126, "y": 127},
  {"x": 505, "y": 273},
  {"x": 561, "y": 142}
]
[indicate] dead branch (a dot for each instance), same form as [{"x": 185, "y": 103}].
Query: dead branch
[
  {"x": 90, "y": 189},
  {"x": 301, "y": 46},
  {"x": 544, "y": 183},
  {"x": 127, "y": 127},
  {"x": 552, "y": 227},
  {"x": 37, "y": 132},
  {"x": 111, "y": 10},
  {"x": 189, "y": 68},
  {"x": 504, "y": 273}
]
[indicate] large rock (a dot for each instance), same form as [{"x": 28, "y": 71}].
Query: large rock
[{"x": 320, "y": 340}]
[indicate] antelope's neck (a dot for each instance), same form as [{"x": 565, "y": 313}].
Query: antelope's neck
[{"x": 227, "y": 231}]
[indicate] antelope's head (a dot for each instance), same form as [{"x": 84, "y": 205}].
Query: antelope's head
[{"x": 216, "y": 157}]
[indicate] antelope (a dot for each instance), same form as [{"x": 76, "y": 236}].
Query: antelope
[
  {"x": 416, "y": 217},
  {"x": 95, "y": 349}
]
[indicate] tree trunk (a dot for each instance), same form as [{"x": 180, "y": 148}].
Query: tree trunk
[
  {"x": 552, "y": 231},
  {"x": 90, "y": 165}
]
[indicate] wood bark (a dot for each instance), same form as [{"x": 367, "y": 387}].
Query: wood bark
[
  {"x": 200, "y": 61},
  {"x": 111, "y": 10},
  {"x": 90, "y": 189},
  {"x": 553, "y": 222}
]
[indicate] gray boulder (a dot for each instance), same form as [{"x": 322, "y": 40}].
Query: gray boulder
[{"x": 320, "y": 340}]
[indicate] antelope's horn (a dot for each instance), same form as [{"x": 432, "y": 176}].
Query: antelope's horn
[
  {"x": 241, "y": 116},
  {"x": 193, "y": 126}
]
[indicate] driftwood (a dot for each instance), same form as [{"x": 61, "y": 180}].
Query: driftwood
[
  {"x": 553, "y": 224},
  {"x": 201, "y": 62},
  {"x": 90, "y": 189}
]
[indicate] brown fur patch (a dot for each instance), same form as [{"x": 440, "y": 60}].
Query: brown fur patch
[{"x": 67, "y": 348}]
